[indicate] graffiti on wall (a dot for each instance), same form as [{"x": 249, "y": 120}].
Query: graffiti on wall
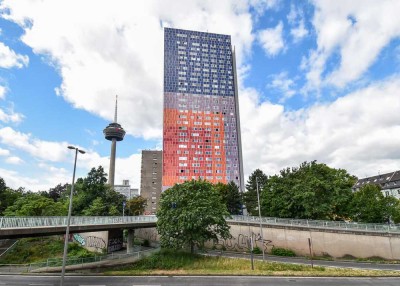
[
  {"x": 242, "y": 243},
  {"x": 96, "y": 242},
  {"x": 78, "y": 238},
  {"x": 114, "y": 244},
  {"x": 239, "y": 243}
]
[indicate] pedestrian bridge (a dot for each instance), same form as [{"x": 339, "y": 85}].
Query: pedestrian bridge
[{"x": 17, "y": 227}]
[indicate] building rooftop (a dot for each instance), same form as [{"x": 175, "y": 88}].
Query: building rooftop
[{"x": 385, "y": 181}]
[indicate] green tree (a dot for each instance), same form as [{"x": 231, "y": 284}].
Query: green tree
[
  {"x": 190, "y": 214},
  {"x": 32, "y": 204},
  {"x": 250, "y": 196},
  {"x": 311, "y": 191},
  {"x": 93, "y": 187},
  {"x": 231, "y": 197},
  {"x": 8, "y": 196},
  {"x": 136, "y": 206},
  {"x": 371, "y": 206},
  {"x": 96, "y": 208},
  {"x": 58, "y": 192}
]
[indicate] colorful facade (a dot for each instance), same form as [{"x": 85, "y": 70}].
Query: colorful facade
[{"x": 201, "y": 117}]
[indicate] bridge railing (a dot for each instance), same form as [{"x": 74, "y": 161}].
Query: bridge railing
[
  {"x": 28, "y": 222},
  {"x": 392, "y": 228}
]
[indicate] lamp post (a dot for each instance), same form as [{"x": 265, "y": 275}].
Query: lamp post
[
  {"x": 259, "y": 215},
  {"x": 69, "y": 214}
]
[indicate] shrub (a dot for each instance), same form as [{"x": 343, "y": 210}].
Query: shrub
[
  {"x": 282, "y": 252},
  {"x": 257, "y": 250},
  {"x": 146, "y": 243}
]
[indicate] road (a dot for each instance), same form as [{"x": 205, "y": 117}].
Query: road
[
  {"x": 325, "y": 263},
  {"x": 22, "y": 280}
]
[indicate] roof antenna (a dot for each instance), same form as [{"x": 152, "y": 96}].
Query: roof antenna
[{"x": 116, "y": 104}]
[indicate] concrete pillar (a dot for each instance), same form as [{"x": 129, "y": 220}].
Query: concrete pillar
[
  {"x": 130, "y": 240},
  {"x": 112, "y": 162}
]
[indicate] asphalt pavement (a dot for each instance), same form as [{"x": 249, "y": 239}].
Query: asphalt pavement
[{"x": 192, "y": 281}]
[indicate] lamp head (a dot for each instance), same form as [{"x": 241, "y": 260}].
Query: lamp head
[
  {"x": 81, "y": 151},
  {"x": 71, "y": 147}
]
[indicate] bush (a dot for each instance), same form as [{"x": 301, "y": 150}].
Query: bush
[
  {"x": 282, "y": 252},
  {"x": 257, "y": 250},
  {"x": 146, "y": 243},
  {"x": 75, "y": 250}
]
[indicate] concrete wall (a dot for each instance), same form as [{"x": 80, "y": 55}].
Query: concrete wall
[
  {"x": 332, "y": 243},
  {"x": 100, "y": 241}
]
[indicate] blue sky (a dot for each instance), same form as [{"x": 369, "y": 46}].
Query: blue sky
[{"x": 318, "y": 80}]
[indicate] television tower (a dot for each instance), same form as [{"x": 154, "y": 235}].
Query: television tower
[{"x": 113, "y": 132}]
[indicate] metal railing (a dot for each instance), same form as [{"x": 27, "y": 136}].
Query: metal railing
[
  {"x": 79, "y": 261},
  {"x": 33, "y": 222},
  {"x": 324, "y": 224},
  {"x": 29, "y": 222}
]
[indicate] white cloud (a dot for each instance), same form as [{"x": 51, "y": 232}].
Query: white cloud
[
  {"x": 359, "y": 132},
  {"x": 11, "y": 116},
  {"x": 45, "y": 150},
  {"x": 260, "y": 6},
  {"x": 15, "y": 180},
  {"x": 284, "y": 85},
  {"x": 4, "y": 152},
  {"x": 2, "y": 92},
  {"x": 356, "y": 30},
  {"x": 50, "y": 155},
  {"x": 10, "y": 59},
  {"x": 299, "y": 32},
  {"x": 272, "y": 40},
  {"x": 296, "y": 21},
  {"x": 14, "y": 160},
  {"x": 119, "y": 48}
]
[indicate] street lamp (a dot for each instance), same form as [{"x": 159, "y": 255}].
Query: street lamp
[
  {"x": 259, "y": 215},
  {"x": 69, "y": 214}
]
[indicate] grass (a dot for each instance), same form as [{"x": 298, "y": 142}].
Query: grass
[
  {"x": 31, "y": 250},
  {"x": 180, "y": 263}
]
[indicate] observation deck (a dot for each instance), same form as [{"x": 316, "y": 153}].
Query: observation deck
[{"x": 114, "y": 131}]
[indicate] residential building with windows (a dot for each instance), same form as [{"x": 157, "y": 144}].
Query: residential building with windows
[
  {"x": 389, "y": 183},
  {"x": 201, "y": 126},
  {"x": 150, "y": 179},
  {"x": 126, "y": 190}
]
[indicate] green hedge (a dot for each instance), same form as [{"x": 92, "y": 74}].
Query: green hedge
[{"x": 282, "y": 252}]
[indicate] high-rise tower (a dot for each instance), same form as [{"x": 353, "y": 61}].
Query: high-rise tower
[
  {"x": 201, "y": 136},
  {"x": 113, "y": 132}
]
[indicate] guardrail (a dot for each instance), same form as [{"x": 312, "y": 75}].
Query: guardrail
[
  {"x": 32, "y": 222},
  {"x": 29, "y": 222},
  {"x": 82, "y": 261},
  {"x": 339, "y": 225}
]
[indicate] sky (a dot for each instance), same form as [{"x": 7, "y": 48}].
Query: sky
[{"x": 318, "y": 80}]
